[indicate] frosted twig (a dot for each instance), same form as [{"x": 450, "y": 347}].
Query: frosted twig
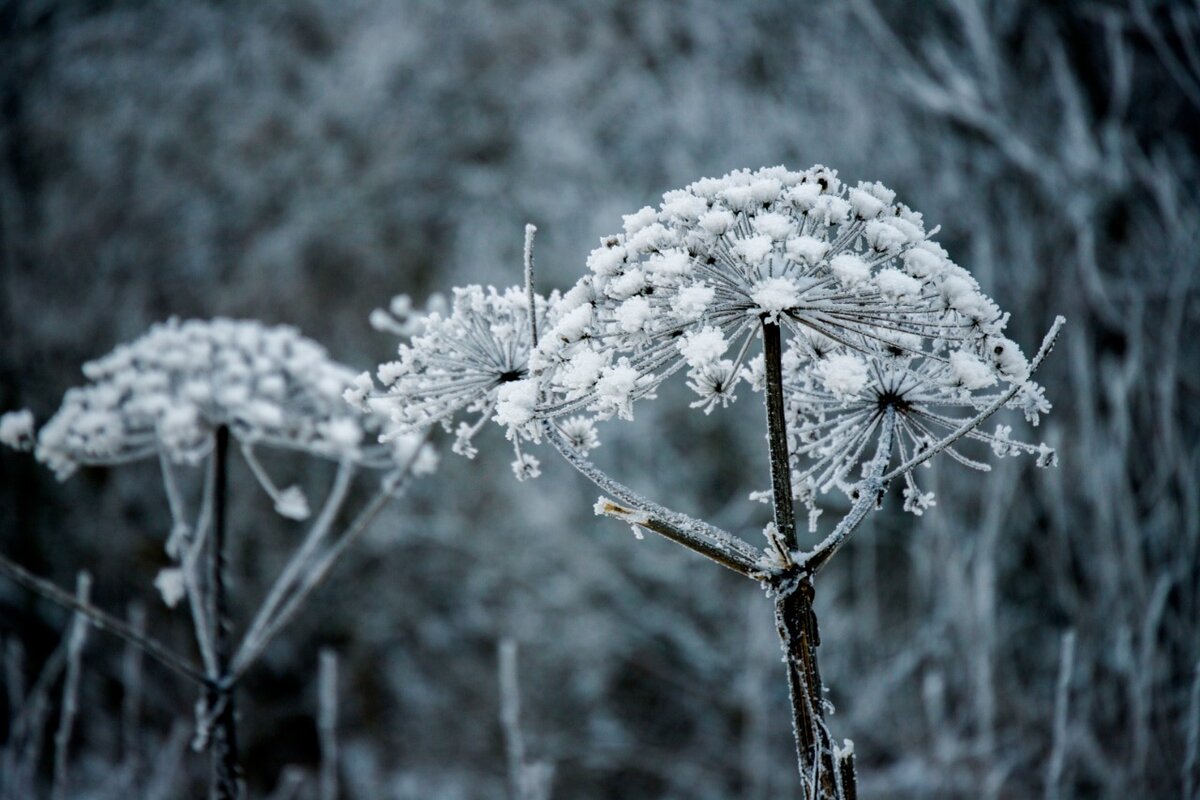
[
  {"x": 327, "y": 720},
  {"x": 1062, "y": 700},
  {"x": 527, "y": 780},
  {"x": 76, "y": 640},
  {"x": 1043, "y": 351},
  {"x": 201, "y": 624},
  {"x": 641, "y": 519},
  {"x": 510, "y": 716},
  {"x": 391, "y": 485},
  {"x": 104, "y": 621},
  {"x": 530, "y": 230},
  {"x": 711, "y": 542}
]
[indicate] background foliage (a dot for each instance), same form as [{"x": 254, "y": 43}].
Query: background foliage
[{"x": 301, "y": 162}]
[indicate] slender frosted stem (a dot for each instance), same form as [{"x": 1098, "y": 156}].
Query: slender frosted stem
[
  {"x": 104, "y": 621},
  {"x": 327, "y": 721},
  {"x": 530, "y": 230},
  {"x": 131, "y": 688},
  {"x": 304, "y": 557},
  {"x": 510, "y": 717},
  {"x": 710, "y": 542},
  {"x": 795, "y": 619}
]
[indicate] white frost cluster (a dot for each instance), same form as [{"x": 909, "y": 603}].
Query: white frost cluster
[
  {"x": 836, "y": 409},
  {"x": 688, "y": 285}
]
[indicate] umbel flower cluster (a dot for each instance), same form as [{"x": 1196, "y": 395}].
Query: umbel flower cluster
[
  {"x": 876, "y": 352},
  {"x": 166, "y": 393},
  {"x": 877, "y": 317}
]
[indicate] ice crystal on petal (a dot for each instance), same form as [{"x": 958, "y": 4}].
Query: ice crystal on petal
[
  {"x": 170, "y": 585},
  {"x": 16, "y": 429}
]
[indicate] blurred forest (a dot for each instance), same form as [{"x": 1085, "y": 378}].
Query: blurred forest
[{"x": 301, "y": 162}]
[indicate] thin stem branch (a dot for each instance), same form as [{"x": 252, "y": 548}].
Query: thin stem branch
[
  {"x": 530, "y": 230},
  {"x": 104, "y": 621},
  {"x": 304, "y": 555},
  {"x": 1047, "y": 345},
  {"x": 76, "y": 640},
  {"x": 707, "y": 540},
  {"x": 249, "y": 650},
  {"x": 327, "y": 720},
  {"x": 610, "y": 508}
]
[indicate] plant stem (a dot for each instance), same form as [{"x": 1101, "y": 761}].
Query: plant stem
[
  {"x": 781, "y": 470},
  {"x": 226, "y": 775}
]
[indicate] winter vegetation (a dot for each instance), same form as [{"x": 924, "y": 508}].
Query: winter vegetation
[{"x": 228, "y": 567}]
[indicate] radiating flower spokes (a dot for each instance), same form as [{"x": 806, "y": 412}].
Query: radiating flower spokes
[
  {"x": 470, "y": 365},
  {"x": 837, "y": 401}
]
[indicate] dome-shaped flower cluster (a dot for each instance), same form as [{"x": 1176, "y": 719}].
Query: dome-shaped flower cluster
[
  {"x": 688, "y": 285},
  {"x": 168, "y": 390}
]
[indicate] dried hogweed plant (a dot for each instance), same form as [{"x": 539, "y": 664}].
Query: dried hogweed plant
[
  {"x": 873, "y": 350},
  {"x": 185, "y": 393}
]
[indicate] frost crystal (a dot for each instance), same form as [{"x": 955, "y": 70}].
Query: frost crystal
[{"x": 16, "y": 429}]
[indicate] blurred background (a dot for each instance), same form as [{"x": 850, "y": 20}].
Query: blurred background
[{"x": 302, "y": 162}]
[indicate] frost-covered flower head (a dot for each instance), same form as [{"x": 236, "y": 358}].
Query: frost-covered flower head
[
  {"x": 688, "y": 284},
  {"x": 473, "y": 361},
  {"x": 167, "y": 392},
  {"x": 838, "y": 397}
]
